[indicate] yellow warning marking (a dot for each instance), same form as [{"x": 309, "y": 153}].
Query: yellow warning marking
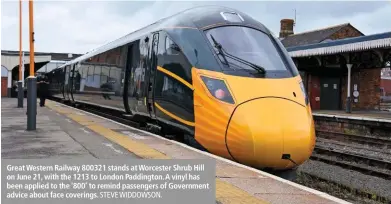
[
  {"x": 79, "y": 118},
  {"x": 137, "y": 148},
  {"x": 86, "y": 123},
  {"x": 62, "y": 110},
  {"x": 226, "y": 193}
]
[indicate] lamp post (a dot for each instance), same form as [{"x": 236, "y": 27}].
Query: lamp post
[
  {"x": 20, "y": 84},
  {"x": 31, "y": 80}
]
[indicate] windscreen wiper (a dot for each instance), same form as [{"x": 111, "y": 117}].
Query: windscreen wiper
[
  {"x": 223, "y": 52},
  {"x": 220, "y": 48}
]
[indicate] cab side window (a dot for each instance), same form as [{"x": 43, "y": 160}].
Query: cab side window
[{"x": 171, "y": 47}]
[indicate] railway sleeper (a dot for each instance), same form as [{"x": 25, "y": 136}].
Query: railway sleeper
[
  {"x": 345, "y": 156},
  {"x": 331, "y": 187},
  {"x": 352, "y": 166}
]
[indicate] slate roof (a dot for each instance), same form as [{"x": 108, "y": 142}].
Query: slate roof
[
  {"x": 345, "y": 41},
  {"x": 353, "y": 44},
  {"x": 312, "y": 37}
]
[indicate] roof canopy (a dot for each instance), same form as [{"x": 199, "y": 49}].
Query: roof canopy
[{"x": 362, "y": 43}]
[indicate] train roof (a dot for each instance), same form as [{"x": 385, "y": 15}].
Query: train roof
[{"x": 201, "y": 17}]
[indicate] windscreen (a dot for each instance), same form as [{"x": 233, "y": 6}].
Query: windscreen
[{"x": 248, "y": 44}]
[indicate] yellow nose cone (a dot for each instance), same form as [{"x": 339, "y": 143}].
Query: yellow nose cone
[{"x": 262, "y": 130}]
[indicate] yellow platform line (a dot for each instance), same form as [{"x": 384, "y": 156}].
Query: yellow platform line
[
  {"x": 140, "y": 149},
  {"x": 226, "y": 193}
]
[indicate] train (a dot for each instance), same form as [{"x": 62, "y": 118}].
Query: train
[{"x": 212, "y": 75}]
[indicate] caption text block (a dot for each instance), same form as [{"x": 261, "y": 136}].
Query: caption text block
[{"x": 99, "y": 181}]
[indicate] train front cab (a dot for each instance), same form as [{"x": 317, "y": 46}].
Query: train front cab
[{"x": 260, "y": 119}]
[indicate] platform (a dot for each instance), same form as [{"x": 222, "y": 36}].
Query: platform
[
  {"x": 56, "y": 136},
  {"x": 63, "y": 131},
  {"x": 375, "y": 116}
]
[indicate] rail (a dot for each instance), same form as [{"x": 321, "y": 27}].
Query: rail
[
  {"x": 364, "y": 164},
  {"x": 375, "y": 141}
]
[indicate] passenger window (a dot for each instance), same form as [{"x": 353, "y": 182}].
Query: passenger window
[{"x": 171, "y": 47}]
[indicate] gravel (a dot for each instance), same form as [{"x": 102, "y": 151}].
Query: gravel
[{"x": 352, "y": 179}]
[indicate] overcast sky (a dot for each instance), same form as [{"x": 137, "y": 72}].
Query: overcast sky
[{"x": 77, "y": 27}]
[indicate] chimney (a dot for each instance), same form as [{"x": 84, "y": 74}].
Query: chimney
[{"x": 286, "y": 27}]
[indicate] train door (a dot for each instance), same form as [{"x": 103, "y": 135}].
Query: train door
[
  {"x": 129, "y": 86},
  {"x": 71, "y": 82},
  {"x": 151, "y": 74},
  {"x": 330, "y": 93},
  {"x": 315, "y": 93},
  {"x": 61, "y": 78},
  {"x": 66, "y": 84},
  {"x": 138, "y": 64}
]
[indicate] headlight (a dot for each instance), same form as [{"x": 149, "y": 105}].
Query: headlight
[
  {"x": 218, "y": 89},
  {"x": 304, "y": 93}
]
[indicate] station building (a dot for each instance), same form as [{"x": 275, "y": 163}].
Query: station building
[
  {"x": 330, "y": 58},
  {"x": 43, "y": 62}
]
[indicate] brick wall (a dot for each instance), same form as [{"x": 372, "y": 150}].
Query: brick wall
[
  {"x": 355, "y": 127},
  {"x": 4, "y": 86},
  {"x": 368, "y": 86},
  {"x": 345, "y": 32},
  {"x": 386, "y": 84}
]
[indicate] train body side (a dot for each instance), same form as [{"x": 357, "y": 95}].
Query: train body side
[{"x": 139, "y": 79}]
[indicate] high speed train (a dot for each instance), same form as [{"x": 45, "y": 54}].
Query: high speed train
[{"x": 212, "y": 75}]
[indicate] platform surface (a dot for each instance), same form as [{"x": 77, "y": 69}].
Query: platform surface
[
  {"x": 381, "y": 116},
  {"x": 63, "y": 131},
  {"x": 56, "y": 136}
]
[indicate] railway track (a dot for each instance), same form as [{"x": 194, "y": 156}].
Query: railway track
[
  {"x": 364, "y": 164},
  {"x": 377, "y": 142},
  {"x": 360, "y": 149}
]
